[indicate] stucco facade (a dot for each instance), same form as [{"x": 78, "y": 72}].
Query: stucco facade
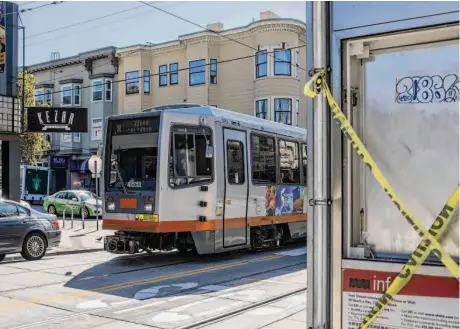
[
  {"x": 85, "y": 80},
  {"x": 219, "y": 70}
]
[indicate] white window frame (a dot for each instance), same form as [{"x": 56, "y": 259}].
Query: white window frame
[
  {"x": 71, "y": 94},
  {"x": 107, "y": 89},
  {"x": 269, "y": 112},
  {"x": 77, "y": 137},
  {"x": 100, "y": 84},
  {"x": 271, "y": 61},
  {"x": 66, "y": 137},
  {"x": 73, "y": 87},
  {"x": 293, "y": 107},
  {"x": 268, "y": 49},
  {"x": 297, "y": 106},
  {"x": 46, "y": 92},
  {"x": 93, "y": 137},
  {"x": 291, "y": 69},
  {"x": 296, "y": 62}
]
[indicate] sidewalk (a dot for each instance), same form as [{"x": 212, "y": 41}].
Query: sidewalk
[{"x": 76, "y": 240}]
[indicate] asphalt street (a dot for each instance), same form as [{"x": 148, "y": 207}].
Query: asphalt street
[{"x": 99, "y": 290}]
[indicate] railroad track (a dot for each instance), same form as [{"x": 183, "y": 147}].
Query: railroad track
[
  {"x": 96, "y": 312},
  {"x": 225, "y": 316}
]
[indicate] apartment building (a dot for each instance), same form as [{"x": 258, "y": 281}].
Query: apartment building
[
  {"x": 254, "y": 69},
  {"x": 84, "y": 80}
]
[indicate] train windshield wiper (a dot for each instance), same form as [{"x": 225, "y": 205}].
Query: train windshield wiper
[{"x": 115, "y": 166}]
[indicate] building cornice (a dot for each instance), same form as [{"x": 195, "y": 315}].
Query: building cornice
[
  {"x": 253, "y": 29},
  {"x": 71, "y": 80},
  {"x": 102, "y": 75}
]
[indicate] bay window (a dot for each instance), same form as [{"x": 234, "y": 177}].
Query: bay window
[
  {"x": 283, "y": 110},
  {"x": 282, "y": 64}
]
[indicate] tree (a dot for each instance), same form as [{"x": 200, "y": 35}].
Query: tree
[{"x": 33, "y": 145}]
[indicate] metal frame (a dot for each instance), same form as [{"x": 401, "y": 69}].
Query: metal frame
[{"x": 340, "y": 166}]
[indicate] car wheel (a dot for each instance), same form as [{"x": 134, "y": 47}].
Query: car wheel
[
  {"x": 84, "y": 212},
  {"x": 2, "y": 257},
  {"x": 52, "y": 210},
  {"x": 34, "y": 247}
]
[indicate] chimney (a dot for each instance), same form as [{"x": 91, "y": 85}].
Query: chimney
[
  {"x": 216, "y": 27},
  {"x": 267, "y": 15}
]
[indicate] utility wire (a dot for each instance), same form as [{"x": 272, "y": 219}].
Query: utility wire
[
  {"x": 209, "y": 30},
  {"x": 94, "y": 27},
  {"x": 102, "y": 64},
  {"x": 84, "y": 22},
  {"x": 165, "y": 73},
  {"x": 33, "y": 8},
  {"x": 25, "y": 4}
]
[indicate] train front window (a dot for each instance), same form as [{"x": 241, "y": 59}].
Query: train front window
[
  {"x": 191, "y": 155},
  {"x": 133, "y": 154}
]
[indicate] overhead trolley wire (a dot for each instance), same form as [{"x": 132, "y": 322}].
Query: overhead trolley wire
[
  {"x": 84, "y": 22},
  {"x": 95, "y": 66},
  {"x": 212, "y": 31},
  {"x": 176, "y": 71}
]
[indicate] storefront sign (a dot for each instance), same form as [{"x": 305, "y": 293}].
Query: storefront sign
[
  {"x": 428, "y": 301},
  {"x": 59, "y": 162},
  {"x": 57, "y": 119},
  {"x": 135, "y": 126},
  {"x": 2, "y": 37}
]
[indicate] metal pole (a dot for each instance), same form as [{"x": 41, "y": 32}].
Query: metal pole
[
  {"x": 71, "y": 218},
  {"x": 83, "y": 215},
  {"x": 318, "y": 278},
  {"x": 97, "y": 196},
  {"x": 23, "y": 69}
]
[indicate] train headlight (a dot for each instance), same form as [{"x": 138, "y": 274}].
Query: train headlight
[
  {"x": 111, "y": 206},
  {"x": 148, "y": 207}
]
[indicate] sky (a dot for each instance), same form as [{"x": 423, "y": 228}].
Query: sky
[{"x": 131, "y": 26}]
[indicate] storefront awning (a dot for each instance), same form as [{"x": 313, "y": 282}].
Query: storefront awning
[{"x": 84, "y": 166}]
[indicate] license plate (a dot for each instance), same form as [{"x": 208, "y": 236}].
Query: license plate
[{"x": 148, "y": 218}]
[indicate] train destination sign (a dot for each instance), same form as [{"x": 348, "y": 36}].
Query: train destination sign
[
  {"x": 57, "y": 119},
  {"x": 135, "y": 126}
]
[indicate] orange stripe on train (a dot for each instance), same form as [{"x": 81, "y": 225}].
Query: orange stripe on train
[{"x": 194, "y": 225}]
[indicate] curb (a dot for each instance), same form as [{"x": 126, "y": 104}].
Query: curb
[{"x": 59, "y": 253}]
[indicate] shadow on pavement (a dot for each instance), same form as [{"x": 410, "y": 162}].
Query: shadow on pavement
[{"x": 147, "y": 276}]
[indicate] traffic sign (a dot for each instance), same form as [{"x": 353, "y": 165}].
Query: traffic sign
[{"x": 95, "y": 164}]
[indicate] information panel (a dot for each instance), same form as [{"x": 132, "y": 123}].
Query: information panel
[
  {"x": 135, "y": 126},
  {"x": 427, "y": 302}
]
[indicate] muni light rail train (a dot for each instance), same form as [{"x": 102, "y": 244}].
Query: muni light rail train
[{"x": 199, "y": 178}]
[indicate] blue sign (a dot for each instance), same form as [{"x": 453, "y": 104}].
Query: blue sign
[{"x": 59, "y": 162}]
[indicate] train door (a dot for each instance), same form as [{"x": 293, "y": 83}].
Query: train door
[{"x": 236, "y": 188}]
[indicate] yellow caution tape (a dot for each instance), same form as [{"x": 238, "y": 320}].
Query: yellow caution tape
[
  {"x": 421, "y": 253},
  {"x": 429, "y": 243}
]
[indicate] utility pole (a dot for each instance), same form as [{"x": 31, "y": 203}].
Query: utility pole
[{"x": 318, "y": 227}]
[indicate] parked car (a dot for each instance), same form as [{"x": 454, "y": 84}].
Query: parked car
[
  {"x": 82, "y": 203},
  {"x": 26, "y": 231},
  {"x": 25, "y": 204}
]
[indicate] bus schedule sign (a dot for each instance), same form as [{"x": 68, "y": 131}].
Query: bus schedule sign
[{"x": 135, "y": 126}]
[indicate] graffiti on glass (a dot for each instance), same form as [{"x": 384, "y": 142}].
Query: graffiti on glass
[{"x": 427, "y": 89}]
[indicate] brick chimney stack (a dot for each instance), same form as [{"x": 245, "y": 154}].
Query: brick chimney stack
[
  {"x": 216, "y": 27},
  {"x": 267, "y": 15}
]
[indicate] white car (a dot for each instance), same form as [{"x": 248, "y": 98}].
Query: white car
[{"x": 25, "y": 204}]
